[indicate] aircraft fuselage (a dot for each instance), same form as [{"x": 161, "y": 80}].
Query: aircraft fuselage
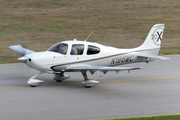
[{"x": 50, "y": 61}]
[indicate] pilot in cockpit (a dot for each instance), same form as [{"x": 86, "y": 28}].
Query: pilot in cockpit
[{"x": 74, "y": 51}]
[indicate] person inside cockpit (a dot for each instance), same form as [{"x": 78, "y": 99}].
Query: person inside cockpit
[
  {"x": 74, "y": 51},
  {"x": 77, "y": 49}
]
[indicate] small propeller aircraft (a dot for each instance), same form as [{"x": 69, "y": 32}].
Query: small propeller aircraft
[{"x": 83, "y": 56}]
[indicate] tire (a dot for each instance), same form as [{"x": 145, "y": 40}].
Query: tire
[
  {"x": 87, "y": 86},
  {"x": 58, "y": 80}
]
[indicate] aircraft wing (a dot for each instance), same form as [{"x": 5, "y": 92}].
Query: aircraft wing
[
  {"x": 154, "y": 57},
  {"x": 20, "y": 49},
  {"x": 99, "y": 68}
]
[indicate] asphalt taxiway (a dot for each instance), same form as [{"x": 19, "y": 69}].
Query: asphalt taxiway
[{"x": 150, "y": 91}]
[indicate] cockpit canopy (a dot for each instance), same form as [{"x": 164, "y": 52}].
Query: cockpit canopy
[
  {"x": 59, "y": 48},
  {"x": 74, "y": 49}
]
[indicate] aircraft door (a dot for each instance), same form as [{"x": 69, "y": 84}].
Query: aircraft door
[
  {"x": 76, "y": 53},
  {"x": 93, "y": 55}
]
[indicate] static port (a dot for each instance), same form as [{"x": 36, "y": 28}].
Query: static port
[{"x": 29, "y": 59}]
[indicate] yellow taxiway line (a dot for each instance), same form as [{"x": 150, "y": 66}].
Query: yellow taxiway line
[{"x": 68, "y": 84}]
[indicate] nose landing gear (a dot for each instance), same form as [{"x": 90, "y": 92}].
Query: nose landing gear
[{"x": 35, "y": 82}]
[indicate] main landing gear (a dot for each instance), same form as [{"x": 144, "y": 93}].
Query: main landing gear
[{"x": 87, "y": 82}]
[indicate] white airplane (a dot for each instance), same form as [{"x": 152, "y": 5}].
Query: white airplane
[{"x": 83, "y": 56}]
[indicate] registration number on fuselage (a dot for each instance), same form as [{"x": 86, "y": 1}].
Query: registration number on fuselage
[{"x": 122, "y": 59}]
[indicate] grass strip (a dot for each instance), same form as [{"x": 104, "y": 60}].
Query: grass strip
[
  {"x": 153, "y": 117},
  {"x": 169, "y": 51}
]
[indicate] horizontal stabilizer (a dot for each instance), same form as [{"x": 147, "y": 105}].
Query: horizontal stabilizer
[
  {"x": 20, "y": 49},
  {"x": 154, "y": 57}
]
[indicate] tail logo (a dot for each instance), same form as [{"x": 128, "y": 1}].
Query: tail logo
[{"x": 157, "y": 36}]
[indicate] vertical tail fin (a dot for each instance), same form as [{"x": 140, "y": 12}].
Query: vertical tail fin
[{"x": 154, "y": 38}]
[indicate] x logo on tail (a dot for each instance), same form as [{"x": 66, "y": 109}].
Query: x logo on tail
[{"x": 159, "y": 36}]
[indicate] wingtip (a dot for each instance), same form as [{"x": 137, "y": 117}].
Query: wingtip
[
  {"x": 14, "y": 46},
  {"x": 165, "y": 58}
]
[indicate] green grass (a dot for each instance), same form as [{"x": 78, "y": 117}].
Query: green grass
[
  {"x": 169, "y": 51},
  {"x": 168, "y": 117}
]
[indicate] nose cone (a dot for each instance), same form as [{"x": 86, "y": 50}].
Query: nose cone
[{"x": 22, "y": 59}]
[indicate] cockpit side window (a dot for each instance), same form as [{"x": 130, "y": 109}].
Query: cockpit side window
[
  {"x": 59, "y": 48},
  {"x": 92, "y": 50},
  {"x": 77, "y": 49}
]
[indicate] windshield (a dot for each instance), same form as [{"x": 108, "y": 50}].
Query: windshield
[{"x": 59, "y": 48}]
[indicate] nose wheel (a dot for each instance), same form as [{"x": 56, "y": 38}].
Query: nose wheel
[{"x": 88, "y": 83}]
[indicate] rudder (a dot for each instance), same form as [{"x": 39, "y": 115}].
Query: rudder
[{"x": 154, "y": 38}]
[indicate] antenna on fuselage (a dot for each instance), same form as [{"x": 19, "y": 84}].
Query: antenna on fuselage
[{"x": 88, "y": 36}]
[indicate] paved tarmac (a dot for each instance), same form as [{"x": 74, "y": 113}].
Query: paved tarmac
[{"x": 151, "y": 91}]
